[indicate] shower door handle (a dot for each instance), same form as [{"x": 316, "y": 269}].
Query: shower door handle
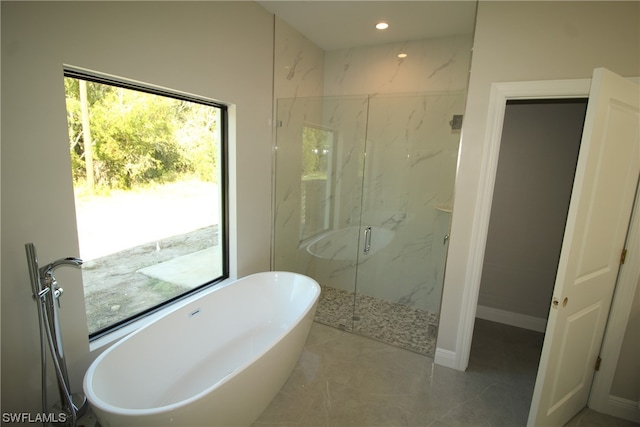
[{"x": 367, "y": 239}]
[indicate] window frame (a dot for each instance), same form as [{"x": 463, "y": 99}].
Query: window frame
[{"x": 223, "y": 185}]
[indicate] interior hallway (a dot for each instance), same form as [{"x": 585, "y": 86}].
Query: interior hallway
[{"x": 344, "y": 379}]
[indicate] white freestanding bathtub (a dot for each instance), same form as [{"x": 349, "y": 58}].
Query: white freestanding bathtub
[{"x": 217, "y": 361}]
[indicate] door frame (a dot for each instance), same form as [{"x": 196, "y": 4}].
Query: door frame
[{"x": 501, "y": 92}]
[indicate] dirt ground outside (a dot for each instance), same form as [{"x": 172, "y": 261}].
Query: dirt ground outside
[{"x": 124, "y": 232}]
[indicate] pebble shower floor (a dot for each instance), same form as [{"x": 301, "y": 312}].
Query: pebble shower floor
[{"x": 400, "y": 325}]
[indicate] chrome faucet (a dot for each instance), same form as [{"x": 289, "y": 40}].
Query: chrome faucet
[
  {"x": 46, "y": 272},
  {"x": 47, "y": 293}
]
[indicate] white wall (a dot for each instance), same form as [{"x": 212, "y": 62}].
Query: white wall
[
  {"x": 221, "y": 50},
  {"x": 521, "y": 41}
]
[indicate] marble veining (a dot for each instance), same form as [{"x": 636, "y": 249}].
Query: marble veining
[
  {"x": 431, "y": 65},
  {"x": 298, "y": 63},
  {"x": 292, "y": 68},
  {"x": 443, "y": 66}
]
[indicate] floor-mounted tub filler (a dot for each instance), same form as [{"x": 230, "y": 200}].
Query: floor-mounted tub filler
[
  {"x": 217, "y": 361},
  {"x": 47, "y": 293}
]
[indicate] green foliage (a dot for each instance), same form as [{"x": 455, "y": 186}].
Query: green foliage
[
  {"x": 74, "y": 123},
  {"x": 140, "y": 138},
  {"x": 197, "y": 140},
  {"x": 316, "y": 150}
]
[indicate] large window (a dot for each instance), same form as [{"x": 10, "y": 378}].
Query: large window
[{"x": 149, "y": 179}]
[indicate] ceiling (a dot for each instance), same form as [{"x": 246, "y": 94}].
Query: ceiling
[{"x": 344, "y": 24}]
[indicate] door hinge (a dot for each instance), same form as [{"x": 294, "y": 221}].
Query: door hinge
[
  {"x": 623, "y": 256},
  {"x": 598, "y": 362}
]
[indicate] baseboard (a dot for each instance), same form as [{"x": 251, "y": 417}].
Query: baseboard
[
  {"x": 445, "y": 358},
  {"x": 622, "y": 408},
  {"x": 510, "y": 318}
]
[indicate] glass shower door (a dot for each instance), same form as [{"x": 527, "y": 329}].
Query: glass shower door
[
  {"x": 318, "y": 194},
  {"x": 363, "y": 193},
  {"x": 411, "y": 156}
]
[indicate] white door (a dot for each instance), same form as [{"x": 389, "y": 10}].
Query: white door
[{"x": 597, "y": 223}]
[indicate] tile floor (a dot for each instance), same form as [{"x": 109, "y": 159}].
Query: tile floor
[
  {"x": 343, "y": 379},
  {"x": 589, "y": 418}
]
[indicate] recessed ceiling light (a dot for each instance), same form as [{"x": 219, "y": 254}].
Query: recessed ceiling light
[
  {"x": 402, "y": 55},
  {"x": 382, "y": 25}
]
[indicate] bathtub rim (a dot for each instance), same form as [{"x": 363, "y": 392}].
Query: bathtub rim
[{"x": 107, "y": 407}]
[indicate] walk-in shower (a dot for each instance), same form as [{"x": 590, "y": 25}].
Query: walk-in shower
[{"x": 363, "y": 198}]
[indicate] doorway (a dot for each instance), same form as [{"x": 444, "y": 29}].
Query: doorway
[
  {"x": 536, "y": 165},
  {"x": 608, "y": 93},
  {"x": 538, "y": 154}
]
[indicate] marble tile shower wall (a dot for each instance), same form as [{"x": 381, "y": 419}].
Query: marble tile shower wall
[
  {"x": 298, "y": 64},
  {"x": 432, "y": 65}
]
